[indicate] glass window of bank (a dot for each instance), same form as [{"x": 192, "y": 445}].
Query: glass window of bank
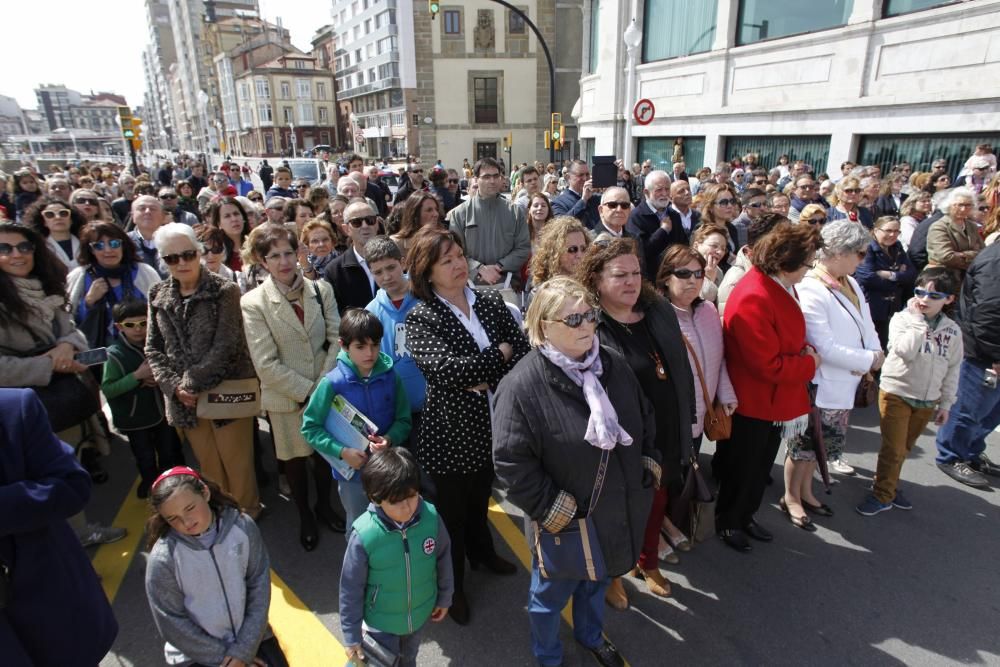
[
  {"x": 676, "y": 28},
  {"x": 770, "y": 19},
  {"x": 660, "y": 150},
  {"x": 897, "y": 7}
]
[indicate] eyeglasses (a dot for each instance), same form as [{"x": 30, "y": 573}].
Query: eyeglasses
[
  {"x": 574, "y": 320},
  {"x": 114, "y": 244},
  {"x": 168, "y": 196},
  {"x": 416, "y": 171},
  {"x": 755, "y": 204},
  {"x": 173, "y": 260},
  {"x": 984, "y": 209},
  {"x": 302, "y": 187},
  {"x": 684, "y": 274},
  {"x": 52, "y": 215},
  {"x": 618, "y": 204},
  {"x": 575, "y": 249},
  {"x": 141, "y": 324},
  {"x": 370, "y": 220},
  {"x": 852, "y": 191},
  {"x": 23, "y": 248},
  {"x": 807, "y": 186},
  {"x": 888, "y": 231},
  {"x": 726, "y": 202},
  {"x": 256, "y": 199},
  {"x": 86, "y": 201},
  {"x": 817, "y": 221},
  {"x": 278, "y": 256},
  {"x": 921, "y": 293},
  {"x": 453, "y": 180},
  {"x": 215, "y": 249},
  {"x": 489, "y": 177}
]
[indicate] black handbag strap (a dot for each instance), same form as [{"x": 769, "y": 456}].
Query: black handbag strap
[
  {"x": 322, "y": 312},
  {"x": 602, "y": 472}
]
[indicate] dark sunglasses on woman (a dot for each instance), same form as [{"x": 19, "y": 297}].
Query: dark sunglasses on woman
[
  {"x": 114, "y": 244},
  {"x": 173, "y": 260},
  {"x": 684, "y": 274},
  {"x": 23, "y": 248},
  {"x": 574, "y": 320}
]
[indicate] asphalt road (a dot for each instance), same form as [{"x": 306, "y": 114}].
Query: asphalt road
[{"x": 907, "y": 588}]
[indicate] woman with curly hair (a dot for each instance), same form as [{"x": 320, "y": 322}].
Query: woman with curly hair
[
  {"x": 59, "y": 224},
  {"x": 560, "y": 248}
]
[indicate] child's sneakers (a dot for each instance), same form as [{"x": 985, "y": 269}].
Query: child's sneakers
[
  {"x": 900, "y": 502},
  {"x": 871, "y": 506}
]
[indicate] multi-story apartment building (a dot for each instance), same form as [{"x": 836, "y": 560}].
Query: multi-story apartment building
[
  {"x": 483, "y": 76},
  {"x": 56, "y": 102},
  {"x": 873, "y": 81},
  {"x": 376, "y": 74},
  {"x": 157, "y": 58}
]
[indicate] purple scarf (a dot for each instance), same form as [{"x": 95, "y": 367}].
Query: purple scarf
[{"x": 603, "y": 429}]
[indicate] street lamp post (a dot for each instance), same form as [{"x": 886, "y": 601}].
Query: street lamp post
[
  {"x": 65, "y": 130},
  {"x": 291, "y": 131},
  {"x": 632, "y": 38}
]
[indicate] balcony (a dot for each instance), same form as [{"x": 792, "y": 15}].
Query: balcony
[{"x": 358, "y": 91}]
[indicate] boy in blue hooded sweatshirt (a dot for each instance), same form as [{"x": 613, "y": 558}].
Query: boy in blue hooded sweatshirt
[
  {"x": 391, "y": 304},
  {"x": 365, "y": 377}
]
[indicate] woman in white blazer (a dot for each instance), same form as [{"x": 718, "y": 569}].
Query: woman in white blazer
[
  {"x": 291, "y": 326},
  {"x": 839, "y": 326}
]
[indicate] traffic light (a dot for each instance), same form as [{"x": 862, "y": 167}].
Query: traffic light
[
  {"x": 137, "y": 144},
  {"x": 548, "y": 140},
  {"x": 433, "y": 6},
  {"x": 137, "y": 128},
  {"x": 558, "y": 143},
  {"x": 556, "y": 130}
]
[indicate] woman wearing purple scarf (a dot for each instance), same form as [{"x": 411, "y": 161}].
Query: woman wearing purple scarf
[{"x": 564, "y": 405}]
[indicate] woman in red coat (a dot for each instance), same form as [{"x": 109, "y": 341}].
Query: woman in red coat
[{"x": 770, "y": 365}]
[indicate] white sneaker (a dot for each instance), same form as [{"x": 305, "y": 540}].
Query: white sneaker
[
  {"x": 841, "y": 466},
  {"x": 819, "y": 478},
  {"x": 98, "y": 534}
]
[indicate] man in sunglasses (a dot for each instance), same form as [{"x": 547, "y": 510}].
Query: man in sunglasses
[
  {"x": 349, "y": 274},
  {"x": 414, "y": 181},
  {"x": 806, "y": 192},
  {"x": 168, "y": 198},
  {"x": 500, "y": 242},
  {"x": 614, "y": 209}
]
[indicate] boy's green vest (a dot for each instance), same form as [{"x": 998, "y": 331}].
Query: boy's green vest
[{"x": 402, "y": 571}]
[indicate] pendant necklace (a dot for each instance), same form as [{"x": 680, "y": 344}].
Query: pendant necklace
[{"x": 661, "y": 373}]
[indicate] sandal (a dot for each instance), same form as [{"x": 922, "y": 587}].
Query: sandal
[
  {"x": 683, "y": 544},
  {"x": 666, "y": 554},
  {"x": 822, "y": 509},
  {"x": 802, "y": 522}
]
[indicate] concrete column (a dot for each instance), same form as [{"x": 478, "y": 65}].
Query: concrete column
[
  {"x": 726, "y": 15},
  {"x": 843, "y": 146},
  {"x": 714, "y": 146}
]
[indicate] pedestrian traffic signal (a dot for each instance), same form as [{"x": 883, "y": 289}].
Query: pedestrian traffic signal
[
  {"x": 137, "y": 144},
  {"x": 434, "y": 7},
  {"x": 555, "y": 128},
  {"x": 560, "y": 135},
  {"x": 137, "y": 128},
  {"x": 548, "y": 139}
]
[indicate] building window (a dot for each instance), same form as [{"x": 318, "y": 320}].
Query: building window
[
  {"x": 515, "y": 23},
  {"x": 486, "y": 100},
  {"x": 264, "y": 113},
  {"x": 286, "y": 90},
  {"x": 674, "y": 28},
  {"x": 416, "y": 120},
  {"x": 661, "y": 151},
  {"x": 286, "y": 114},
  {"x": 303, "y": 88},
  {"x": 371, "y": 75},
  {"x": 770, "y": 19},
  {"x": 814, "y": 150},
  {"x": 897, "y": 7},
  {"x": 398, "y": 119},
  {"x": 368, "y": 26},
  {"x": 320, "y": 90},
  {"x": 263, "y": 89},
  {"x": 595, "y": 34},
  {"x": 452, "y": 22},
  {"x": 306, "y": 114},
  {"x": 388, "y": 70},
  {"x": 360, "y": 78},
  {"x": 323, "y": 115},
  {"x": 920, "y": 150}
]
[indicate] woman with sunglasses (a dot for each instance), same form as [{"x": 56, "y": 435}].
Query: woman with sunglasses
[
  {"x": 318, "y": 241},
  {"x": 109, "y": 272},
  {"x": 680, "y": 279},
  {"x": 720, "y": 206},
  {"x": 59, "y": 224},
  {"x": 641, "y": 325},
  {"x": 213, "y": 241},
  {"x": 847, "y": 203},
  {"x": 570, "y": 379},
  {"x": 558, "y": 249},
  {"x": 86, "y": 202},
  {"x": 886, "y": 274},
  {"x": 195, "y": 341}
]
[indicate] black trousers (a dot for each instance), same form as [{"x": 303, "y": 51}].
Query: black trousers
[
  {"x": 155, "y": 449},
  {"x": 741, "y": 466},
  {"x": 463, "y": 501}
]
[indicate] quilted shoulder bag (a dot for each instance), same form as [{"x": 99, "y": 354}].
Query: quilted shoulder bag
[{"x": 718, "y": 425}]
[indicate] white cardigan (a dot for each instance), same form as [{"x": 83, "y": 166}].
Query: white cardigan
[
  {"x": 57, "y": 250},
  {"x": 845, "y": 339}
]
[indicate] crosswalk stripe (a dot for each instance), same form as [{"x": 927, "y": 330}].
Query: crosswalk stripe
[
  {"x": 514, "y": 537},
  {"x": 112, "y": 560},
  {"x": 303, "y": 637}
]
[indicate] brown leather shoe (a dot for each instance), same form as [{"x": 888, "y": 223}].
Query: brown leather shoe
[{"x": 615, "y": 595}]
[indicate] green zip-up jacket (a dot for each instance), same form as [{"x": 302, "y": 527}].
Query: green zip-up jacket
[{"x": 133, "y": 406}]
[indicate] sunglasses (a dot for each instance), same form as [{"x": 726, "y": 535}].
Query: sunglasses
[
  {"x": 256, "y": 199},
  {"x": 453, "y": 180},
  {"x": 618, "y": 205},
  {"x": 23, "y": 248},
  {"x": 684, "y": 274},
  {"x": 215, "y": 249},
  {"x": 141, "y": 324},
  {"x": 114, "y": 244},
  {"x": 416, "y": 171},
  {"x": 756, "y": 204},
  {"x": 168, "y": 196},
  {"x": 726, "y": 202},
  {"x": 984, "y": 208},
  {"x": 370, "y": 220},
  {"x": 852, "y": 191},
  {"x": 575, "y": 249},
  {"x": 817, "y": 221},
  {"x": 302, "y": 187},
  {"x": 576, "y": 319},
  {"x": 85, "y": 201},
  {"x": 921, "y": 293},
  {"x": 173, "y": 260},
  {"x": 52, "y": 215}
]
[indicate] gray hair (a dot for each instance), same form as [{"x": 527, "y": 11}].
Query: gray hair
[
  {"x": 843, "y": 237},
  {"x": 614, "y": 190},
  {"x": 175, "y": 230},
  {"x": 656, "y": 173},
  {"x": 550, "y": 178},
  {"x": 957, "y": 193}
]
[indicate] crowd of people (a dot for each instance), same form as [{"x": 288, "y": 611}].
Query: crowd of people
[{"x": 480, "y": 328}]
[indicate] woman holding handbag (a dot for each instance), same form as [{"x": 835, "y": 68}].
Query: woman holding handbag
[
  {"x": 680, "y": 279},
  {"x": 195, "y": 344},
  {"x": 570, "y": 420},
  {"x": 641, "y": 325},
  {"x": 839, "y": 326}
]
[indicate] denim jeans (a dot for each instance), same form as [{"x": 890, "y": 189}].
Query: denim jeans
[
  {"x": 546, "y": 599},
  {"x": 405, "y": 646},
  {"x": 352, "y": 495},
  {"x": 975, "y": 414}
]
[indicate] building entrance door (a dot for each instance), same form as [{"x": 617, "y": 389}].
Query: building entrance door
[{"x": 486, "y": 149}]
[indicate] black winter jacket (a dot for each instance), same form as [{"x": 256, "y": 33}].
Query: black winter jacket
[
  {"x": 540, "y": 417},
  {"x": 981, "y": 307}
]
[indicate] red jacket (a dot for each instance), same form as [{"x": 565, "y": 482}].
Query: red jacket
[{"x": 765, "y": 334}]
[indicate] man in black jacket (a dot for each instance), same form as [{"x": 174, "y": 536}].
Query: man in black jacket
[
  {"x": 961, "y": 441},
  {"x": 352, "y": 280},
  {"x": 266, "y": 174},
  {"x": 918, "y": 242},
  {"x": 651, "y": 222}
]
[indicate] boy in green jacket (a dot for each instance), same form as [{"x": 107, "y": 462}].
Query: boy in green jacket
[{"x": 135, "y": 399}]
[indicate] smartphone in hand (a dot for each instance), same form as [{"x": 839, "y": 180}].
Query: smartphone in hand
[{"x": 98, "y": 355}]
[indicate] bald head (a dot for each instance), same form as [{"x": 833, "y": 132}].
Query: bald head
[{"x": 680, "y": 195}]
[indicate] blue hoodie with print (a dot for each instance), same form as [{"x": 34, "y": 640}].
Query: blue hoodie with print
[{"x": 393, "y": 321}]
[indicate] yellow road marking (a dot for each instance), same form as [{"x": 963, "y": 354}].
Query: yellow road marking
[
  {"x": 112, "y": 560},
  {"x": 515, "y": 539},
  {"x": 303, "y": 637}
]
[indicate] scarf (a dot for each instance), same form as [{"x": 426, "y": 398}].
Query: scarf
[
  {"x": 292, "y": 292},
  {"x": 43, "y": 307},
  {"x": 318, "y": 264},
  {"x": 603, "y": 429}
]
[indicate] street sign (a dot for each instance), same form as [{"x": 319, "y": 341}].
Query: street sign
[
  {"x": 644, "y": 112},
  {"x": 359, "y": 138}
]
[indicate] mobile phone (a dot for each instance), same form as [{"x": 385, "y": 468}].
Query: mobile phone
[
  {"x": 990, "y": 378},
  {"x": 98, "y": 355}
]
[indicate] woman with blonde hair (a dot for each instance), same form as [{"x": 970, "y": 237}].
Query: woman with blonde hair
[
  {"x": 560, "y": 248},
  {"x": 847, "y": 203},
  {"x": 814, "y": 214}
]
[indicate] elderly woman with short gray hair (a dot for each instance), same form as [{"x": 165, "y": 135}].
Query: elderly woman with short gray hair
[
  {"x": 953, "y": 241},
  {"x": 839, "y": 326},
  {"x": 195, "y": 342}
]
